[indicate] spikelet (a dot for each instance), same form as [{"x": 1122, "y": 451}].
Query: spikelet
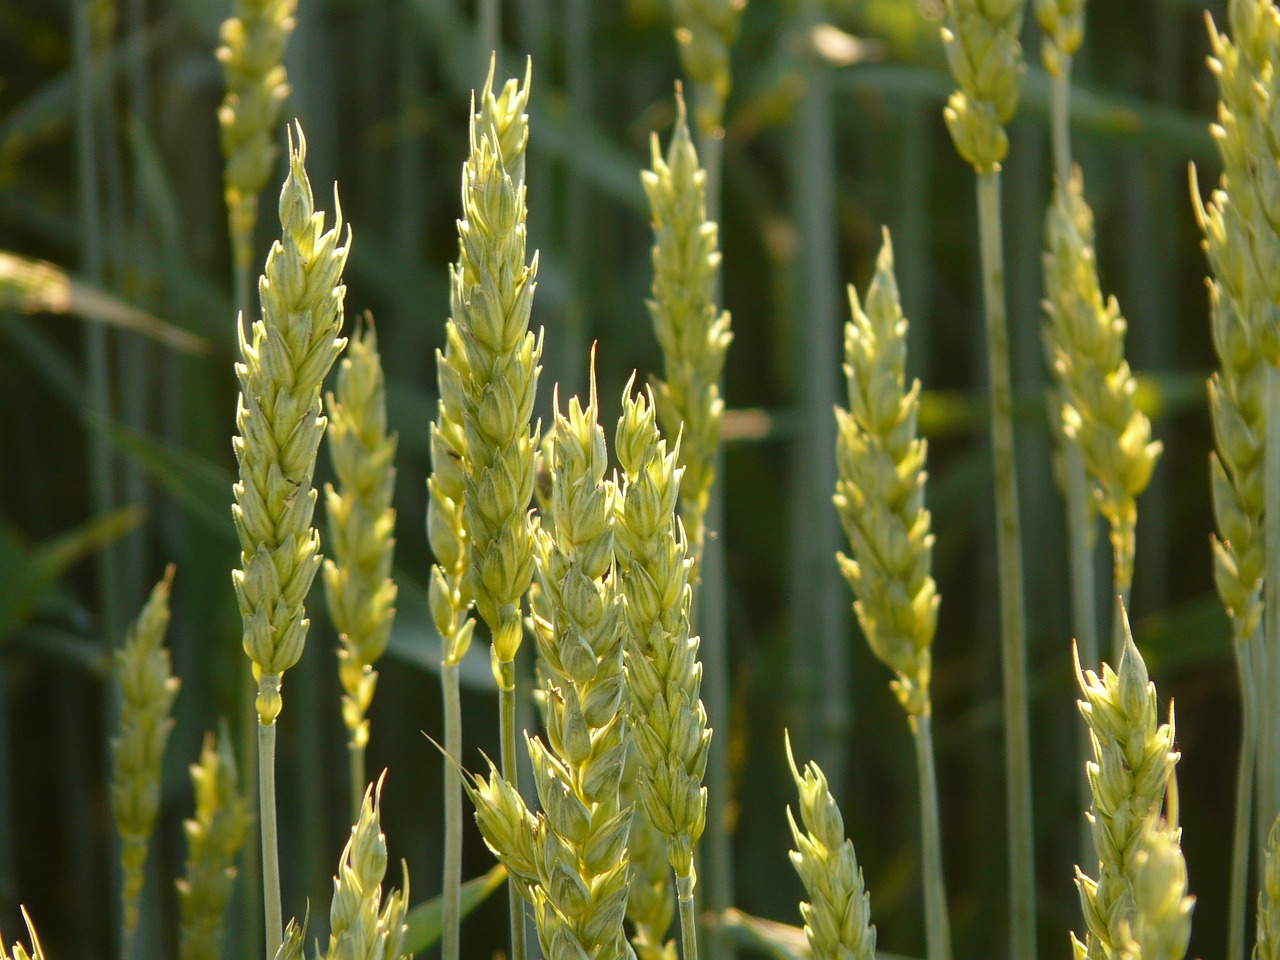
[
  {"x": 1062, "y": 23},
  {"x": 19, "y": 951},
  {"x": 252, "y": 57},
  {"x": 981, "y": 40},
  {"x": 294, "y": 940},
  {"x": 362, "y": 925},
  {"x": 576, "y": 845},
  {"x": 214, "y": 838},
  {"x": 357, "y": 580},
  {"x": 284, "y": 359},
  {"x": 1133, "y": 763},
  {"x": 837, "y": 918},
  {"x": 450, "y": 591},
  {"x": 664, "y": 677},
  {"x": 1161, "y": 924},
  {"x": 1084, "y": 342},
  {"x": 706, "y": 31},
  {"x": 492, "y": 295},
  {"x": 147, "y": 691},
  {"x": 880, "y": 491},
  {"x": 693, "y": 334},
  {"x": 1269, "y": 899}
]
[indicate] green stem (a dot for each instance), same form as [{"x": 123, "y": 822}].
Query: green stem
[
  {"x": 937, "y": 924},
  {"x": 244, "y": 291},
  {"x": 1242, "y": 827},
  {"x": 450, "y": 937},
  {"x": 128, "y": 943},
  {"x": 510, "y": 773},
  {"x": 270, "y": 843},
  {"x": 688, "y": 918},
  {"x": 1269, "y": 767},
  {"x": 1084, "y": 611},
  {"x": 1061, "y": 123},
  {"x": 490, "y": 34},
  {"x": 358, "y": 780},
  {"x": 1022, "y": 894}
]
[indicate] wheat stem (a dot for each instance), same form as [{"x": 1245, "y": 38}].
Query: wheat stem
[
  {"x": 1270, "y": 771},
  {"x": 937, "y": 924},
  {"x": 1084, "y": 602},
  {"x": 452, "y": 810},
  {"x": 1061, "y": 124},
  {"x": 489, "y": 33},
  {"x": 688, "y": 921},
  {"x": 1242, "y": 827},
  {"x": 1009, "y": 554},
  {"x": 511, "y": 773},
  {"x": 270, "y": 843}
]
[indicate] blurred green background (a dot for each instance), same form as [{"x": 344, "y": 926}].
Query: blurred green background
[{"x": 381, "y": 88}]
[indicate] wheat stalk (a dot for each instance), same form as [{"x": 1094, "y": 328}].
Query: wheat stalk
[
  {"x": 214, "y": 838},
  {"x": 358, "y": 587},
  {"x": 1132, "y": 767},
  {"x": 284, "y": 359},
  {"x": 837, "y": 918},
  {"x": 147, "y": 691}
]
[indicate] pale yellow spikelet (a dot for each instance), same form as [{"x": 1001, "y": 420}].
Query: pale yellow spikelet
[
  {"x": 1084, "y": 341},
  {"x": 664, "y": 677},
  {"x": 252, "y": 57},
  {"x": 880, "y": 491},
  {"x": 706, "y": 31},
  {"x": 1161, "y": 925},
  {"x": 147, "y": 691},
  {"x": 363, "y": 924},
  {"x": 357, "y": 579},
  {"x": 19, "y": 952},
  {"x": 284, "y": 359},
  {"x": 214, "y": 838},
  {"x": 837, "y": 918},
  {"x": 493, "y": 289},
  {"x": 1133, "y": 763},
  {"x": 1268, "y": 947},
  {"x": 693, "y": 334},
  {"x": 981, "y": 40}
]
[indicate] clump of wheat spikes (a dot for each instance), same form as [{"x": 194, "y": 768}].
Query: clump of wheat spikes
[{"x": 604, "y": 572}]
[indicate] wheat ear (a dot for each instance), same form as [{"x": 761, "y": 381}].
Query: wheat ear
[
  {"x": 252, "y": 57},
  {"x": 837, "y": 918},
  {"x": 1084, "y": 341},
  {"x": 706, "y": 31},
  {"x": 362, "y": 923},
  {"x": 19, "y": 952},
  {"x": 570, "y": 860},
  {"x": 358, "y": 587},
  {"x": 664, "y": 677},
  {"x": 284, "y": 358},
  {"x": 880, "y": 498},
  {"x": 147, "y": 691},
  {"x": 1268, "y": 944},
  {"x": 1161, "y": 924},
  {"x": 1132, "y": 766},
  {"x": 214, "y": 838}
]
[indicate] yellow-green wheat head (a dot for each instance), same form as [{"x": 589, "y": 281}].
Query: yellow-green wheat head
[
  {"x": 837, "y": 918},
  {"x": 362, "y": 922},
  {"x": 19, "y": 952},
  {"x": 284, "y": 358},
  {"x": 147, "y": 688},
  {"x": 215, "y": 835},
  {"x": 493, "y": 295},
  {"x": 706, "y": 31},
  {"x": 664, "y": 678},
  {"x": 357, "y": 579},
  {"x": 1161, "y": 925},
  {"x": 1269, "y": 899},
  {"x": 880, "y": 491},
  {"x": 252, "y": 57},
  {"x": 1084, "y": 342},
  {"x": 981, "y": 40},
  {"x": 1062, "y": 26},
  {"x": 1128, "y": 776},
  {"x": 693, "y": 334}
]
